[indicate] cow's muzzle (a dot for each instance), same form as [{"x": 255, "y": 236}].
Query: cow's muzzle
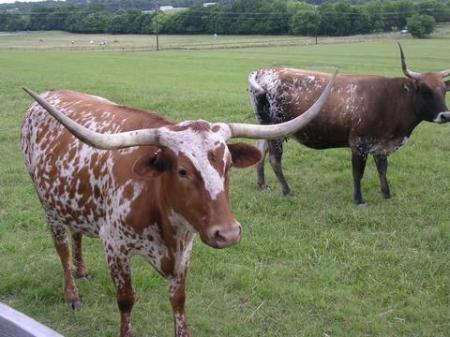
[
  {"x": 442, "y": 117},
  {"x": 224, "y": 236}
]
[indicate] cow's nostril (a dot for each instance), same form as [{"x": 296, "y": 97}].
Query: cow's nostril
[
  {"x": 218, "y": 235},
  {"x": 224, "y": 236}
]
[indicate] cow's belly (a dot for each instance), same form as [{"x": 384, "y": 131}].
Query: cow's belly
[
  {"x": 377, "y": 146},
  {"x": 322, "y": 138},
  {"x": 388, "y": 146},
  {"x": 79, "y": 212}
]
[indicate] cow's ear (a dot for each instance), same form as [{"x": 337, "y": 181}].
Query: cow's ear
[
  {"x": 153, "y": 165},
  {"x": 244, "y": 155},
  {"x": 411, "y": 85},
  {"x": 447, "y": 83}
]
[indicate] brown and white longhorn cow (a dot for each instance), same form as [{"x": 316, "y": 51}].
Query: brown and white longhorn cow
[
  {"x": 157, "y": 185},
  {"x": 370, "y": 114}
]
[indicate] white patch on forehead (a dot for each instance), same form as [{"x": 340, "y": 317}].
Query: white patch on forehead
[{"x": 195, "y": 145}]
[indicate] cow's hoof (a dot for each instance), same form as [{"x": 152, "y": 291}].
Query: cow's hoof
[
  {"x": 386, "y": 195},
  {"x": 263, "y": 187},
  {"x": 84, "y": 276},
  {"x": 362, "y": 205},
  {"x": 288, "y": 193},
  {"x": 74, "y": 305}
]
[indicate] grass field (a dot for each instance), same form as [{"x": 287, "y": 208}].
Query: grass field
[{"x": 312, "y": 265}]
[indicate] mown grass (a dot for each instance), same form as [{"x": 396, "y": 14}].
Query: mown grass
[{"x": 309, "y": 265}]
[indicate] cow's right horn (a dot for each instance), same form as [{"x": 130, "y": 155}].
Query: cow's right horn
[
  {"x": 100, "y": 140},
  {"x": 406, "y": 71}
]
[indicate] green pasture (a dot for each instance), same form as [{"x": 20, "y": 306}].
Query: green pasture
[{"x": 311, "y": 265}]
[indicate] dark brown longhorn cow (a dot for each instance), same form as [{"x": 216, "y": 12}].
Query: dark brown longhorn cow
[
  {"x": 370, "y": 114},
  {"x": 141, "y": 183}
]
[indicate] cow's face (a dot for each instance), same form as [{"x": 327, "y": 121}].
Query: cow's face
[
  {"x": 194, "y": 164},
  {"x": 430, "y": 98}
]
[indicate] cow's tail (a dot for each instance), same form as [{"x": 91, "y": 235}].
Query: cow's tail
[
  {"x": 261, "y": 107},
  {"x": 258, "y": 99}
]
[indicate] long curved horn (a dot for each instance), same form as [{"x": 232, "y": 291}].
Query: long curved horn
[
  {"x": 283, "y": 129},
  {"x": 443, "y": 117},
  {"x": 96, "y": 139},
  {"x": 445, "y": 73},
  {"x": 406, "y": 71}
]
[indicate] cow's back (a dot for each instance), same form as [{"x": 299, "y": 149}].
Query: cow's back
[{"x": 72, "y": 178}]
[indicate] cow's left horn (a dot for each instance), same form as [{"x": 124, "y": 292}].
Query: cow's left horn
[
  {"x": 445, "y": 73},
  {"x": 283, "y": 129},
  {"x": 96, "y": 139},
  {"x": 406, "y": 71}
]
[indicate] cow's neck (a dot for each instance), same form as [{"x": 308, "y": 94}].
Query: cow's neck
[
  {"x": 410, "y": 114},
  {"x": 176, "y": 234}
]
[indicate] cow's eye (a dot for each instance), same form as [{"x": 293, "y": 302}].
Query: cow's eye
[{"x": 182, "y": 173}]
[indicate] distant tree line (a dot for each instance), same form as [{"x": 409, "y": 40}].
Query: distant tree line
[
  {"x": 110, "y": 5},
  {"x": 229, "y": 17}
]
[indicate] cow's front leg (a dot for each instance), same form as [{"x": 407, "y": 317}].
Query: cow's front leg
[
  {"x": 382, "y": 164},
  {"x": 118, "y": 262},
  {"x": 275, "y": 156},
  {"x": 261, "y": 179},
  {"x": 358, "y": 165},
  {"x": 177, "y": 299}
]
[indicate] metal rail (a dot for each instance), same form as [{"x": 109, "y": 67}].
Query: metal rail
[{"x": 15, "y": 324}]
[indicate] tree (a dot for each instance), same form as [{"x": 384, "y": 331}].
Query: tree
[
  {"x": 328, "y": 19},
  {"x": 305, "y": 19},
  {"x": 420, "y": 25},
  {"x": 403, "y": 8},
  {"x": 94, "y": 22},
  {"x": 375, "y": 12}
]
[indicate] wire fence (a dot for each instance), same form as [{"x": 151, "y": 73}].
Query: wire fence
[{"x": 147, "y": 43}]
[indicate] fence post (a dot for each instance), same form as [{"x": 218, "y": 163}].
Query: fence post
[
  {"x": 157, "y": 26},
  {"x": 317, "y": 21}
]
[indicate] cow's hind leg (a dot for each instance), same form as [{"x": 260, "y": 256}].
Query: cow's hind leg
[
  {"x": 62, "y": 247},
  {"x": 358, "y": 164},
  {"x": 118, "y": 262},
  {"x": 275, "y": 155},
  {"x": 77, "y": 252},
  {"x": 261, "y": 179},
  {"x": 382, "y": 164}
]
